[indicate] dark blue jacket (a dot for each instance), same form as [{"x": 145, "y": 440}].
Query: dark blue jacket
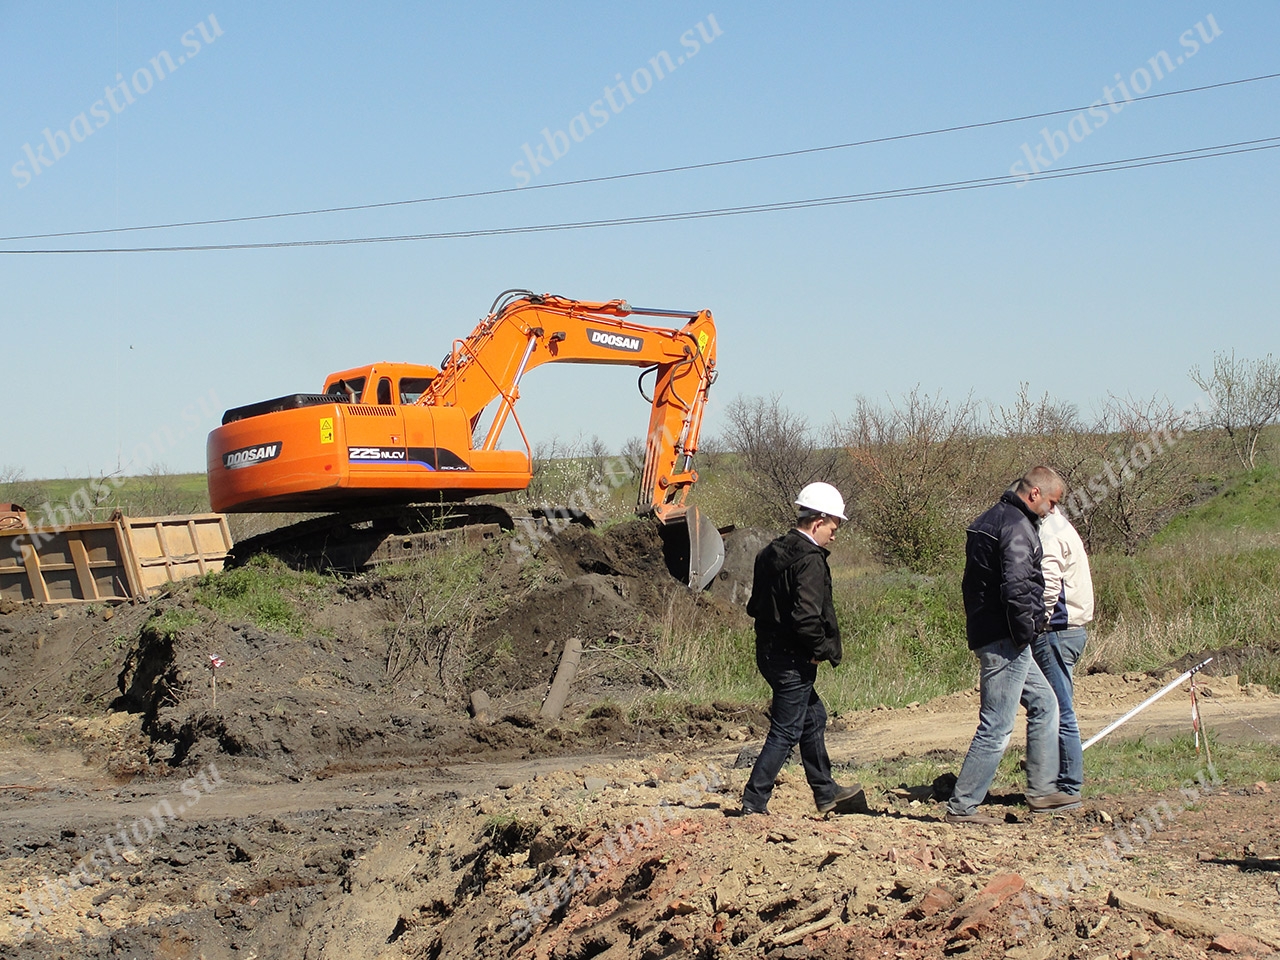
[
  {"x": 791, "y": 601},
  {"x": 1003, "y": 584}
]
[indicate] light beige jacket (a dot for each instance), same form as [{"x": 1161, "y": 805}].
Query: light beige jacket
[{"x": 1068, "y": 588}]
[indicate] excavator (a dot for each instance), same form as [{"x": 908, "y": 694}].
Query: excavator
[{"x": 388, "y": 435}]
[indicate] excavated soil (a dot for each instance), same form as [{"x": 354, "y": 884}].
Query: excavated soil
[{"x": 337, "y": 799}]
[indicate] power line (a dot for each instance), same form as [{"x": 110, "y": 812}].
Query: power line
[
  {"x": 1110, "y": 166},
  {"x": 635, "y": 174}
]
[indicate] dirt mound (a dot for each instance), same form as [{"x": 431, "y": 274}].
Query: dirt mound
[
  {"x": 367, "y": 681},
  {"x": 348, "y": 806},
  {"x": 1226, "y": 662},
  {"x": 601, "y": 588}
]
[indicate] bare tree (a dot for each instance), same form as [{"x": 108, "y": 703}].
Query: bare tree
[
  {"x": 16, "y": 488},
  {"x": 1141, "y": 473},
  {"x": 10, "y": 478},
  {"x": 780, "y": 453},
  {"x": 156, "y": 493},
  {"x": 1246, "y": 399},
  {"x": 914, "y": 466},
  {"x": 1044, "y": 431}
]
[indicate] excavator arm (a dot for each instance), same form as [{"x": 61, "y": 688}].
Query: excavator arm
[{"x": 525, "y": 330}]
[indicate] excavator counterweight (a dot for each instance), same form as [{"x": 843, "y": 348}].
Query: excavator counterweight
[{"x": 399, "y": 433}]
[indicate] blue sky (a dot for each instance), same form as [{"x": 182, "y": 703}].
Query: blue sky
[{"x": 1115, "y": 283}]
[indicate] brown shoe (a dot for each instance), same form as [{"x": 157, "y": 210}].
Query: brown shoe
[
  {"x": 975, "y": 818},
  {"x": 851, "y": 795},
  {"x": 1053, "y": 802}
]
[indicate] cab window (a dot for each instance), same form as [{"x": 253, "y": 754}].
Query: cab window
[
  {"x": 351, "y": 388},
  {"x": 411, "y": 388},
  {"x": 384, "y": 391}
]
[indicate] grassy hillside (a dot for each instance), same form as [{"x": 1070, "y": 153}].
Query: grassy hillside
[
  {"x": 89, "y": 499},
  {"x": 1209, "y": 581}
]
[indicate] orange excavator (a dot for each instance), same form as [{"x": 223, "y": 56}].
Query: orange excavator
[{"x": 396, "y": 433}]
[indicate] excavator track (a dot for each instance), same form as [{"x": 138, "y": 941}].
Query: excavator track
[{"x": 358, "y": 539}]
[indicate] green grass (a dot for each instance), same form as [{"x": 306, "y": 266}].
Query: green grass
[
  {"x": 1249, "y": 506},
  {"x": 168, "y": 623},
  {"x": 153, "y": 494},
  {"x": 904, "y": 640},
  {"x": 706, "y": 666},
  {"x": 1111, "y": 768},
  {"x": 265, "y": 592},
  {"x": 903, "y": 637},
  {"x": 1122, "y": 765},
  {"x": 1209, "y": 581}
]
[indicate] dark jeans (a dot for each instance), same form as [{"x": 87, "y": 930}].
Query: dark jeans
[{"x": 797, "y": 716}]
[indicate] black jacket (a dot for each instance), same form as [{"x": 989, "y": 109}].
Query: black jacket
[
  {"x": 1003, "y": 584},
  {"x": 791, "y": 600}
]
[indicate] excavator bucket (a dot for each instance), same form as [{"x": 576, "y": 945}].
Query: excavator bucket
[
  {"x": 693, "y": 548},
  {"x": 706, "y": 549}
]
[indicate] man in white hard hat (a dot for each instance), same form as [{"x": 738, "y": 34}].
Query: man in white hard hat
[{"x": 796, "y": 630}]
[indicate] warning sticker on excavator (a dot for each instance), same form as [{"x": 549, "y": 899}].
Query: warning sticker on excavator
[
  {"x": 702, "y": 341},
  {"x": 326, "y": 429}
]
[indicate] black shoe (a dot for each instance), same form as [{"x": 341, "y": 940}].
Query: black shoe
[
  {"x": 748, "y": 809},
  {"x": 845, "y": 795}
]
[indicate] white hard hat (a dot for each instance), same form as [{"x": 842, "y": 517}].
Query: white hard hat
[{"x": 822, "y": 498}]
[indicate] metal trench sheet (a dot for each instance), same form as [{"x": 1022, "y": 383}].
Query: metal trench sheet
[{"x": 121, "y": 559}]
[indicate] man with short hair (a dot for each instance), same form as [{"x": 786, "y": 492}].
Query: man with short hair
[
  {"x": 1003, "y": 591},
  {"x": 796, "y": 629},
  {"x": 1068, "y": 601}
]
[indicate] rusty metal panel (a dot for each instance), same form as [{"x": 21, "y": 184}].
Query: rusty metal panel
[
  {"x": 84, "y": 562},
  {"x": 128, "y": 558},
  {"x": 169, "y": 549}
]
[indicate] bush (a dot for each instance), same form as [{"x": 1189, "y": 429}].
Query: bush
[
  {"x": 778, "y": 453},
  {"x": 264, "y": 591},
  {"x": 914, "y": 467}
]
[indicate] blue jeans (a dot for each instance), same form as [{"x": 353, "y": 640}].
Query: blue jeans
[
  {"x": 1056, "y": 654},
  {"x": 1008, "y": 675},
  {"x": 797, "y": 716}
]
